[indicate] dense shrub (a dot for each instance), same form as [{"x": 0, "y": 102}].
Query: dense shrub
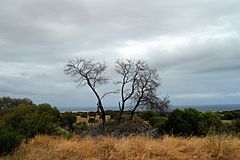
[
  {"x": 230, "y": 115},
  {"x": 191, "y": 122},
  {"x": 146, "y": 115},
  {"x": 177, "y": 125},
  {"x": 84, "y": 114},
  {"x": 236, "y": 125},
  {"x": 78, "y": 128},
  {"x": 114, "y": 128},
  {"x": 209, "y": 122},
  {"x": 68, "y": 118},
  {"x": 32, "y": 120},
  {"x": 114, "y": 114},
  {"x": 23, "y": 122},
  {"x": 8, "y": 103},
  {"x": 9, "y": 139},
  {"x": 159, "y": 123}
]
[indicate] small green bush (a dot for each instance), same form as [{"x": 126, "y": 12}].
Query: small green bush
[
  {"x": 159, "y": 123},
  {"x": 236, "y": 125},
  {"x": 68, "y": 118}
]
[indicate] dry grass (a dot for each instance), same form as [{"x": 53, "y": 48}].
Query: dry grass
[{"x": 103, "y": 148}]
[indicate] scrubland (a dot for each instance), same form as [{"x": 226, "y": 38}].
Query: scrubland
[{"x": 132, "y": 147}]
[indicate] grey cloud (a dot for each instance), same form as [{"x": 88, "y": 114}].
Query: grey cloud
[{"x": 187, "y": 41}]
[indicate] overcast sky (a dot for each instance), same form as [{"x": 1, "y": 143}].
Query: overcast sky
[{"x": 194, "y": 45}]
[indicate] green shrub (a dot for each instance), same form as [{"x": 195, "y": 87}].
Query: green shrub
[
  {"x": 68, "y": 118},
  {"x": 9, "y": 139},
  {"x": 159, "y": 123},
  {"x": 84, "y": 114},
  {"x": 191, "y": 122},
  {"x": 209, "y": 122},
  {"x": 177, "y": 124},
  {"x": 236, "y": 125},
  {"x": 32, "y": 120},
  {"x": 146, "y": 115}
]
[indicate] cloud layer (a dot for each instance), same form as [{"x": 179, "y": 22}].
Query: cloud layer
[{"x": 194, "y": 46}]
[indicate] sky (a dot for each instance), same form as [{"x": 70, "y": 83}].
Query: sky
[{"x": 194, "y": 45}]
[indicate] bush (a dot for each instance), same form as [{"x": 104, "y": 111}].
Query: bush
[
  {"x": 84, "y": 114},
  {"x": 191, "y": 122},
  {"x": 146, "y": 115},
  {"x": 177, "y": 124},
  {"x": 8, "y": 103},
  {"x": 209, "y": 122},
  {"x": 32, "y": 120},
  {"x": 236, "y": 125},
  {"x": 159, "y": 123},
  {"x": 68, "y": 118},
  {"x": 9, "y": 139},
  {"x": 113, "y": 114}
]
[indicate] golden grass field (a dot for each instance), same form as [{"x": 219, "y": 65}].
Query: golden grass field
[{"x": 136, "y": 147}]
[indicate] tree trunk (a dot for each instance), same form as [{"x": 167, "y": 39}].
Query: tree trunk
[
  {"x": 99, "y": 104},
  {"x": 120, "y": 116},
  {"x": 121, "y": 109},
  {"x": 103, "y": 114},
  {"x": 132, "y": 114}
]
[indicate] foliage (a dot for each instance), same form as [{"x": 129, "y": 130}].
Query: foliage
[
  {"x": 68, "y": 118},
  {"x": 159, "y": 123},
  {"x": 236, "y": 125},
  {"x": 25, "y": 121},
  {"x": 80, "y": 127},
  {"x": 191, "y": 122},
  {"x": 113, "y": 114},
  {"x": 209, "y": 122},
  {"x": 113, "y": 128},
  {"x": 9, "y": 139},
  {"x": 177, "y": 125},
  {"x": 230, "y": 115},
  {"x": 7, "y": 102},
  {"x": 32, "y": 120},
  {"x": 84, "y": 114},
  {"x": 146, "y": 115}
]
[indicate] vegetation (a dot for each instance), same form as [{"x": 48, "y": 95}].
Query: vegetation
[
  {"x": 20, "y": 124},
  {"x": 67, "y": 119},
  {"x": 133, "y": 147},
  {"x": 230, "y": 115},
  {"x": 88, "y": 72},
  {"x": 191, "y": 122},
  {"x": 138, "y": 84},
  {"x": 25, "y": 121}
]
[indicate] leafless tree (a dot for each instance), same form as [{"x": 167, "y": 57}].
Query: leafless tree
[
  {"x": 88, "y": 72},
  {"x": 139, "y": 85},
  {"x": 157, "y": 104}
]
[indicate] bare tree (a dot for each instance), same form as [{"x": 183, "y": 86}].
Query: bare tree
[
  {"x": 138, "y": 85},
  {"x": 157, "y": 104},
  {"x": 88, "y": 72},
  {"x": 129, "y": 72}
]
